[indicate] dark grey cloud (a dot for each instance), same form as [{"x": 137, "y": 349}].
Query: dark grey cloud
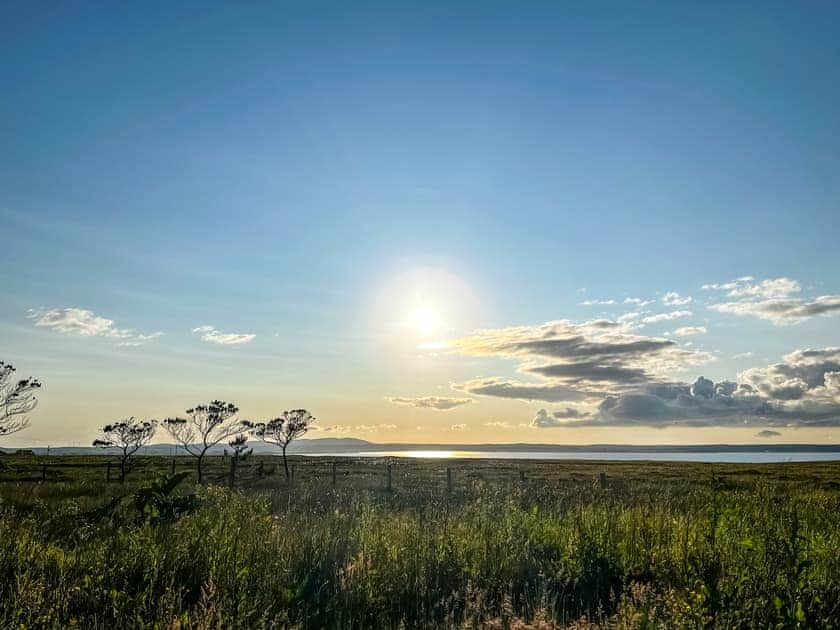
[
  {"x": 782, "y": 310},
  {"x": 579, "y": 347},
  {"x": 767, "y": 433},
  {"x": 591, "y": 371},
  {"x": 500, "y": 388},
  {"x": 570, "y": 412}
]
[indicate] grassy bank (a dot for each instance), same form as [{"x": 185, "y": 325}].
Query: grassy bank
[{"x": 663, "y": 545}]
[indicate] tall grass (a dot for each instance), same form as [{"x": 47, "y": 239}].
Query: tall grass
[{"x": 672, "y": 554}]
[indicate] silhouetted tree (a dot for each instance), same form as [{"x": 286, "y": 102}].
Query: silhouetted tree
[
  {"x": 241, "y": 451},
  {"x": 17, "y": 398},
  {"x": 128, "y": 435},
  {"x": 203, "y": 428},
  {"x": 283, "y": 430}
]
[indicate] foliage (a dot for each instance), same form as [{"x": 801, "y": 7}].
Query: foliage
[
  {"x": 662, "y": 547},
  {"x": 205, "y": 426},
  {"x": 128, "y": 435},
  {"x": 156, "y": 502},
  {"x": 17, "y": 398},
  {"x": 283, "y": 430}
]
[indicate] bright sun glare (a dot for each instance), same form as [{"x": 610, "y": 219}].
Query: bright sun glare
[{"x": 426, "y": 321}]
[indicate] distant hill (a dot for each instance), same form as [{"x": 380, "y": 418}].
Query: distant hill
[{"x": 353, "y": 445}]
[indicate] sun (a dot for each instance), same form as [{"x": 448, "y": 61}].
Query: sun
[{"x": 426, "y": 320}]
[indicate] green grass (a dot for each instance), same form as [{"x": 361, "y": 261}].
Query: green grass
[{"x": 664, "y": 545}]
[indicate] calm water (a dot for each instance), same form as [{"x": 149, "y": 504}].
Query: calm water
[{"x": 661, "y": 456}]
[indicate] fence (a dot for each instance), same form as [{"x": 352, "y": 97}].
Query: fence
[{"x": 386, "y": 474}]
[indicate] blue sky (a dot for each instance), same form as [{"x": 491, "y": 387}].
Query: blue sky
[{"x": 357, "y": 187}]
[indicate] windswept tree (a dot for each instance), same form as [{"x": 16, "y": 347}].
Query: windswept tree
[
  {"x": 129, "y": 435},
  {"x": 241, "y": 451},
  {"x": 204, "y": 427},
  {"x": 17, "y": 398},
  {"x": 283, "y": 431}
]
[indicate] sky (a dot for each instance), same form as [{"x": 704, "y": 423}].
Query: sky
[{"x": 440, "y": 222}]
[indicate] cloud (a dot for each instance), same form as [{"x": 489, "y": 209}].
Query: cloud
[
  {"x": 545, "y": 420},
  {"x": 359, "y": 428},
  {"x": 598, "y": 302},
  {"x": 665, "y": 317},
  {"x": 590, "y": 371},
  {"x": 575, "y": 361},
  {"x": 84, "y": 323},
  {"x": 801, "y": 391},
  {"x": 458, "y": 427},
  {"x": 498, "y": 424},
  {"x": 500, "y": 388},
  {"x": 430, "y": 402},
  {"x": 767, "y": 433},
  {"x": 638, "y": 301},
  {"x": 772, "y": 300},
  {"x": 211, "y": 335},
  {"x": 782, "y": 310},
  {"x": 742, "y": 355},
  {"x": 687, "y": 331},
  {"x": 747, "y": 287},
  {"x": 672, "y": 298}
]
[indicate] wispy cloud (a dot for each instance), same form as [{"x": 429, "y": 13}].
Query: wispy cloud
[
  {"x": 212, "y": 335},
  {"x": 672, "y": 298},
  {"x": 358, "y": 428},
  {"x": 687, "y": 331},
  {"x": 430, "y": 402},
  {"x": 84, "y": 323},
  {"x": 637, "y": 301},
  {"x": 458, "y": 427},
  {"x": 665, "y": 317},
  {"x": 598, "y": 302},
  {"x": 782, "y": 310},
  {"x": 499, "y": 424},
  {"x": 748, "y": 287}
]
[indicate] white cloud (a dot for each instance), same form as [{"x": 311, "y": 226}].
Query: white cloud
[
  {"x": 672, "y": 298},
  {"x": 638, "y": 301},
  {"x": 665, "y": 317},
  {"x": 598, "y": 302},
  {"x": 84, "y": 323},
  {"x": 458, "y": 427},
  {"x": 747, "y": 287},
  {"x": 211, "y": 335},
  {"x": 686, "y": 331}
]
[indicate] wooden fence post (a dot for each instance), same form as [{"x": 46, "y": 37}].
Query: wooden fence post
[
  {"x": 334, "y": 478},
  {"x": 173, "y": 465},
  {"x": 390, "y": 487},
  {"x": 43, "y": 472},
  {"x": 522, "y": 476},
  {"x": 108, "y": 472},
  {"x": 603, "y": 481},
  {"x": 232, "y": 471},
  {"x": 449, "y": 480}
]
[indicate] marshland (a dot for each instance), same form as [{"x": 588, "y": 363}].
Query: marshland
[{"x": 451, "y": 543}]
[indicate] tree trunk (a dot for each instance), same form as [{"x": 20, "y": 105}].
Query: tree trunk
[
  {"x": 286, "y": 466},
  {"x": 123, "y": 463},
  {"x": 198, "y": 466}
]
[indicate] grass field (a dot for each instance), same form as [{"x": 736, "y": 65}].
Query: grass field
[{"x": 490, "y": 544}]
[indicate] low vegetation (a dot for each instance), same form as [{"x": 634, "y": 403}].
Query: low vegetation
[{"x": 513, "y": 544}]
